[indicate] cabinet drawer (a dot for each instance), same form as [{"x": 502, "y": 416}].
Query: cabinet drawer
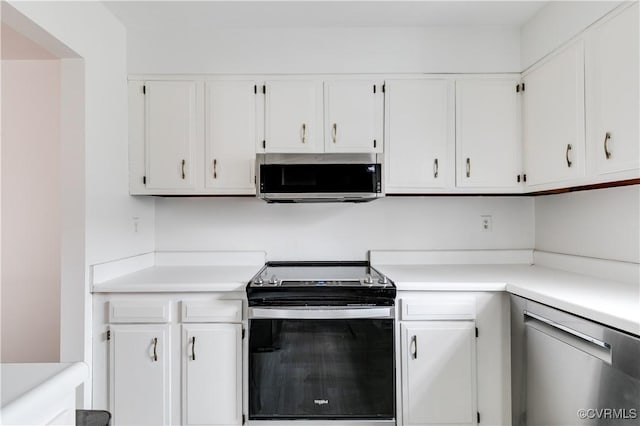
[
  {"x": 438, "y": 307},
  {"x": 139, "y": 311},
  {"x": 212, "y": 311}
]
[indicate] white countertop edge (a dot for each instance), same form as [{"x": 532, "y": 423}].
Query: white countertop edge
[
  {"x": 107, "y": 271},
  {"x": 451, "y": 286},
  {"x": 451, "y": 257},
  {"x": 170, "y": 287},
  {"x": 43, "y": 396},
  {"x": 608, "y": 319}
]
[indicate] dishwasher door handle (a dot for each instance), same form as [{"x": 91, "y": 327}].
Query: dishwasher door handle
[{"x": 596, "y": 347}]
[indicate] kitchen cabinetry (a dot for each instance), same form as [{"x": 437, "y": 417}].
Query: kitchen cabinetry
[
  {"x": 230, "y": 136},
  {"x": 211, "y": 362},
  {"x": 612, "y": 96},
  {"x": 438, "y": 347},
  {"x": 293, "y": 116},
  {"x": 353, "y": 116},
  {"x": 140, "y": 374},
  {"x": 212, "y": 374},
  {"x": 488, "y": 142},
  {"x": 439, "y": 374},
  {"x": 553, "y": 115},
  {"x": 418, "y": 135},
  {"x": 169, "y": 359},
  {"x": 171, "y": 134}
]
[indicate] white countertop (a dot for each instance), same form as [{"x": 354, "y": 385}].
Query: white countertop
[
  {"x": 41, "y": 385},
  {"x": 187, "y": 278},
  {"x": 612, "y": 303}
]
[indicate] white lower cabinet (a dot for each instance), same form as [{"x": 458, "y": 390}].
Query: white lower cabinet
[
  {"x": 453, "y": 352},
  {"x": 140, "y": 374},
  {"x": 169, "y": 359},
  {"x": 439, "y": 372},
  {"x": 212, "y": 374}
]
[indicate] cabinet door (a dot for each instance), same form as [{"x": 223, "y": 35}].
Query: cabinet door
[
  {"x": 553, "y": 111},
  {"x": 212, "y": 374},
  {"x": 488, "y": 139},
  {"x": 439, "y": 373},
  {"x": 293, "y": 116},
  {"x": 171, "y": 134},
  {"x": 418, "y": 135},
  {"x": 230, "y": 149},
  {"x": 353, "y": 116},
  {"x": 139, "y": 371},
  {"x": 612, "y": 90}
]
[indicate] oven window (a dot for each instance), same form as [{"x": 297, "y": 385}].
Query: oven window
[
  {"x": 322, "y": 178},
  {"x": 321, "y": 369}
]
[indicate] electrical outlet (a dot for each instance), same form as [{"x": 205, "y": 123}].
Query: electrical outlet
[{"x": 487, "y": 223}]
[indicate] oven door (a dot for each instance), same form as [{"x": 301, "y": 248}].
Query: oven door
[{"x": 321, "y": 364}]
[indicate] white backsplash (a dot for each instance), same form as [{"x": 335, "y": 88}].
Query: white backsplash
[{"x": 343, "y": 231}]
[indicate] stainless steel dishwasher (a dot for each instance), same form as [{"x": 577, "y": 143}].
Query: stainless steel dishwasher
[{"x": 566, "y": 370}]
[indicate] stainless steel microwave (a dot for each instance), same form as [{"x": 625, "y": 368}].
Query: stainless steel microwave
[{"x": 319, "y": 180}]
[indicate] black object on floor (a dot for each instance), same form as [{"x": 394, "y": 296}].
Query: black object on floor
[{"x": 93, "y": 418}]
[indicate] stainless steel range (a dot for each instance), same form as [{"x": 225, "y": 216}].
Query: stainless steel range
[{"x": 321, "y": 344}]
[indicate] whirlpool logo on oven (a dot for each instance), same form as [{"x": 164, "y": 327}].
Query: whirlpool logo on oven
[{"x": 321, "y": 401}]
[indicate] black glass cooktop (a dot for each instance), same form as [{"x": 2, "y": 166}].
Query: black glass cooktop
[{"x": 320, "y": 283}]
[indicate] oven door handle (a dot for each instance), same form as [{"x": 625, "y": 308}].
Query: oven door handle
[{"x": 321, "y": 313}]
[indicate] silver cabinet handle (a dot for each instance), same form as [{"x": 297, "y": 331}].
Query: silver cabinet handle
[
  {"x": 414, "y": 347},
  {"x": 155, "y": 349},
  {"x": 193, "y": 348},
  {"x": 569, "y": 162},
  {"x": 468, "y": 167},
  {"x": 304, "y": 133},
  {"x": 435, "y": 168},
  {"x": 334, "y": 132},
  {"x": 183, "y": 163},
  {"x": 607, "y": 153},
  {"x": 215, "y": 168}
]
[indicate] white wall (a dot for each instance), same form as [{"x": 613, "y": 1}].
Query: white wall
[
  {"x": 95, "y": 35},
  {"x": 324, "y": 50},
  {"x": 603, "y": 223},
  {"x": 555, "y": 24},
  {"x": 342, "y": 231},
  {"x": 31, "y": 211}
]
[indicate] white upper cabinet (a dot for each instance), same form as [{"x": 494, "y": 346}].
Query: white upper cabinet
[
  {"x": 488, "y": 142},
  {"x": 230, "y": 136},
  {"x": 612, "y": 95},
  {"x": 293, "y": 116},
  {"x": 353, "y": 116},
  {"x": 171, "y": 109},
  {"x": 418, "y": 135},
  {"x": 553, "y": 115}
]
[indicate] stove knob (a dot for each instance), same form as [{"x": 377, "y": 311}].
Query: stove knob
[
  {"x": 273, "y": 280},
  {"x": 258, "y": 281},
  {"x": 368, "y": 279},
  {"x": 383, "y": 280}
]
